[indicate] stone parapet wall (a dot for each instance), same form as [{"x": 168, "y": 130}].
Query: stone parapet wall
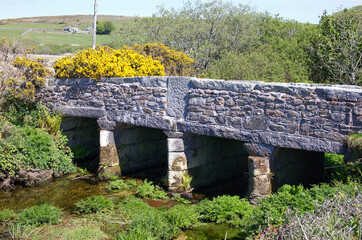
[
  {"x": 116, "y": 94},
  {"x": 302, "y": 116},
  {"x": 299, "y": 116}
]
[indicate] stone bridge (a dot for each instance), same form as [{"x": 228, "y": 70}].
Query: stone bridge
[{"x": 211, "y": 129}]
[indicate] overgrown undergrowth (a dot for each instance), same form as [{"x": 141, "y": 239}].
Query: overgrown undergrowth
[{"x": 291, "y": 213}]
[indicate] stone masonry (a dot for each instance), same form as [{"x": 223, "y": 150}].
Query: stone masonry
[{"x": 266, "y": 116}]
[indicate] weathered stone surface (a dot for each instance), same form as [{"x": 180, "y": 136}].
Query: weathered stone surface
[
  {"x": 283, "y": 114},
  {"x": 106, "y": 125},
  {"x": 260, "y": 150},
  {"x": 108, "y": 158},
  {"x": 177, "y": 96},
  {"x": 177, "y": 161},
  {"x": 175, "y": 145},
  {"x": 256, "y": 123},
  {"x": 259, "y": 177}
]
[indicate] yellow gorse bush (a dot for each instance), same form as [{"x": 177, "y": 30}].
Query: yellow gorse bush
[
  {"x": 107, "y": 62},
  {"x": 32, "y": 78},
  {"x": 175, "y": 63}
]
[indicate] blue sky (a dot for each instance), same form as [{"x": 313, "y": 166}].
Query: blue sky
[{"x": 300, "y": 10}]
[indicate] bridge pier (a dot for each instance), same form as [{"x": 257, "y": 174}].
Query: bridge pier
[
  {"x": 108, "y": 156},
  {"x": 177, "y": 162},
  {"x": 259, "y": 170}
]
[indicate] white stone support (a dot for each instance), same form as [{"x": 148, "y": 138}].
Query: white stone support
[
  {"x": 259, "y": 170},
  {"x": 177, "y": 164},
  {"x": 259, "y": 177},
  {"x": 108, "y": 157}
]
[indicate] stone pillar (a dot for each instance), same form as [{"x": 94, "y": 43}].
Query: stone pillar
[
  {"x": 177, "y": 162},
  {"x": 259, "y": 170},
  {"x": 108, "y": 157}
]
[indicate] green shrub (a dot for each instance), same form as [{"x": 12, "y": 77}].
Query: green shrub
[
  {"x": 20, "y": 112},
  {"x": 278, "y": 208},
  {"x": 131, "y": 207},
  {"x": 94, "y": 204},
  {"x": 337, "y": 218},
  {"x": 23, "y": 145},
  {"x": 7, "y": 216},
  {"x": 80, "y": 152},
  {"x": 148, "y": 190},
  {"x": 225, "y": 209},
  {"x": 182, "y": 216},
  {"x": 84, "y": 233},
  {"x": 105, "y": 27},
  {"x": 151, "y": 223},
  {"x": 44, "y": 151},
  {"x": 336, "y": 168},
  {"x": 120, "y": 185},
  {"x": 38, "y": 215}
]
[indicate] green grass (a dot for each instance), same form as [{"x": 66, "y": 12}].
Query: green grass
[
  {"x": 33, "y": 25},
  {"x": 84, "y": 40},
  {"x": 54, "y": 43},
  {"x": 11, "y": 34}
]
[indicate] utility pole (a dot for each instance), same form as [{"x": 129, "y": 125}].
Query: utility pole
[{"x": 94, "y": 25}]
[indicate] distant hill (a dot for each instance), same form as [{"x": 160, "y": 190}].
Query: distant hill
[
  {"x": 48, "y": 36},
  {"x": 74, "y": 20}
]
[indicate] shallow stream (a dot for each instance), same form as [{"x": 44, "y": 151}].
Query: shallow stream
[{"x": 64, "y": 192}]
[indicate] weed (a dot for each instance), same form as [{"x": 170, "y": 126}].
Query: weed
[
  {"x": 38, "y": 215},
  {"x": 121, "y": 185},
  {"x": 148, "y": 190},
  {"x": 225, "y": 209},
  {"x": 94, "y": 204},
  {"x": 80, "y": 152},
  {"x": 180, "y": 199},
  {"x": 20, "y": 231},
  {"x": 339, "y": 216},
  {"x": 84, "y": 233},
  {"x": 186, "y": 181},
  {"x": 7, "y": 216}
]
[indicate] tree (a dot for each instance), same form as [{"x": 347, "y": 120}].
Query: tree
[
  {"x": 202, "y": 30},
  {"x": 338, "y": 50},
  {"x": 175, "y": 63},
  {"x": 105, "y": 27}
]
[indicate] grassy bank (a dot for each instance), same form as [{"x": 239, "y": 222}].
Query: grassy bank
[{"x": 130, "y": 214}]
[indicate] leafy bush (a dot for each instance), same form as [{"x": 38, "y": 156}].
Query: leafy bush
[
  {"x": 105, "y": 27},
  {"x": 335, "y": 166},
  {"x": 175, "y": 63},
  {"x": 182, "y": 216},
  {"x": 121, "y": 185},
  {"x": 43, "y": 151},
  {"x": 107, "y": 62},
  {"x": 151, "y": 223},
  {"x": 27, "y": 147},
  {"x": 275, "y": 208},
  {"x": 80, "y": 152},
  {"x": 20, "y": 112},
  {"x": 278, "y": 208},
  {"x": 38, "y": 215},
  {"x": 33, "y": 75},
  {"x": 94, "y": 204},
  {"x": 225, "y": 209},
  {"x": 7, "y": 215},
  {"x": 147, "y": 189},
  {"x": 339, "y": 216},
  {"x": 84, "y": 233}
]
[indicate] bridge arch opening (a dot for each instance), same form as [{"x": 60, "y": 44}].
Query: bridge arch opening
[
  {"x": 142, "y": 152},
  {"x": 217, "y": 165},
  {"x": 83, "y": 139},
  {"x": 295, "y": 167}
]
